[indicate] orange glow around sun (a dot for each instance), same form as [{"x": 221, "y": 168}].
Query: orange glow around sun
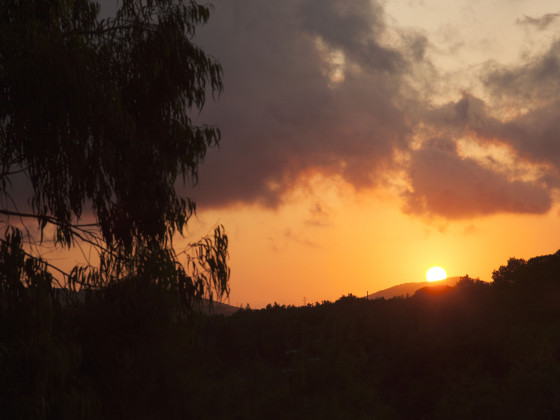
[{"x": 435, "y": 274}]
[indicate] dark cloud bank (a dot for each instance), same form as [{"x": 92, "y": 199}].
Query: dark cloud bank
[{"x": 311, "y": 88}]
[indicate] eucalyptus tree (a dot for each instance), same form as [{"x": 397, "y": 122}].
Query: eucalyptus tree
[{"x": 96, "y": 117}]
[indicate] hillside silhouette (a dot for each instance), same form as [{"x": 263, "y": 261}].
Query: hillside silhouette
[
  {"x": 218, "y": 308},
  {"x": 408, "y": 289},
  {"x": 472, "y": 350}
]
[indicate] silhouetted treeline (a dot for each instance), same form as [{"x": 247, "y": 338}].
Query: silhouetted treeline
[{"x": 476, "y": 350}]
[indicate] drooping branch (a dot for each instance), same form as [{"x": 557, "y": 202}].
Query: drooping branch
[
  {"x": 46, "y": 263},
  {"x": 78, "y": 231},
  {"x": 95, "y": 112}
]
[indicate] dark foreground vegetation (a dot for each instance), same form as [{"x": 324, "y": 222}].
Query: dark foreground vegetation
[{"x": 477, "y": 350}]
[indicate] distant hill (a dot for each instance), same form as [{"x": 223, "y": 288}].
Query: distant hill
[
  {"x": 411, "y": 288},
  {"x": 219, "y": 308}
]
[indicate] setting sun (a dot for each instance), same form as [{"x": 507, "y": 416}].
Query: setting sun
[{"x": 435, "y": 274}]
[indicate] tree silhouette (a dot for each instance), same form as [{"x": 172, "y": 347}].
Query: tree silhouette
[
  {"x": 94, "y": 114},
  {"x": 510, "y": 273}
]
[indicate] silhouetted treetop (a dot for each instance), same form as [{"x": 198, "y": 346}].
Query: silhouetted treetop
[{"x": 541, "y": 268}]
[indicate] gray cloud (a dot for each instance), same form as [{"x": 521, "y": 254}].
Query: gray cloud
[
  {"x": 536, "y": 136},
  {"x": 531, "y": 135},
  {"x": 535, "y": 87},
  {"x": 541, "y": 22},
  {"x": 352, "y": 27},
  {"x": 527, "y": 84},
  {"x": 532, "y": 138},
  {"x": 467, "y": 114},
  {"x": 282, "y": 114},
  {"x": 446, "y": 184},
  {"x": 310, "y": 88}
]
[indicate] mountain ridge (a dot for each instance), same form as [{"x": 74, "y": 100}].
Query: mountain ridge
[
  {"x": 410, "y": 288},
  {"x": 218, "y": 308}
]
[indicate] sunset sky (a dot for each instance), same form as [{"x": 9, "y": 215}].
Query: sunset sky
[{"x": 364, "y": 142}]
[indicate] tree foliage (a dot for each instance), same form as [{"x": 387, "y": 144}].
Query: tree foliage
[
  {"x": 96, "y": 115},
  {"x": 509, "y": 273},
  {"x": 544, "y": 268}
]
